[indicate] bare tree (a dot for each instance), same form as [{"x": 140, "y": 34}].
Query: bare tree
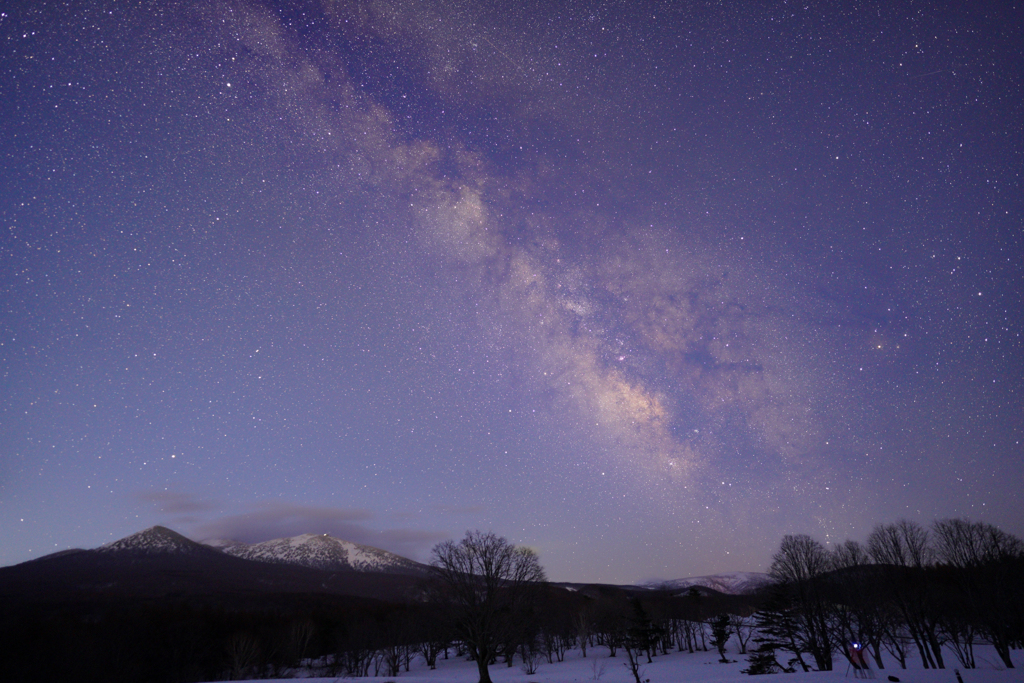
[
  {"x": 300, "y": 636},
  {"x": 799, "y": 559},
  {"x": 963, "y": 544},
  {"x": 800, "y": 566},
  {"x": 583, "y": 624},
  {"x": 436, "y": 639},
  {"x": 743, "y": 627},
  {"x": 243, "y": 655},
  {"x": 905, "y": 554},
  {"x": 896, "y": 639},
  {"x": 529, "y": 653},
  {"x": 860, "y": 616},
  {"x": 850, "y": 554},
  {"x": 987, "y": 563},
  {"x": 484, "y": 581},
  {"x": 903, "y": 544}
]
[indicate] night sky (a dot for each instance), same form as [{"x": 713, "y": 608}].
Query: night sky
[{"x": 642, "y": 285}]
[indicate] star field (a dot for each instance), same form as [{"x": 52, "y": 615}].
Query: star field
[{"x": 644, "y": 286}]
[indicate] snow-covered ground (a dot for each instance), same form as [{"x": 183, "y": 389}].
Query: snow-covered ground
[{"x": 700, "y": 666}]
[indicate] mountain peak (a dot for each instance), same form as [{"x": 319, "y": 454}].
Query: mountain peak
[{"x": 156, "y": 539}]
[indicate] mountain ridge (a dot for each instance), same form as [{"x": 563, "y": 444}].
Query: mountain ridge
[
  {"x": 161, "y": 564},
  {"x": 313, "y": 551},
  {"x": 321, "y": 551}
]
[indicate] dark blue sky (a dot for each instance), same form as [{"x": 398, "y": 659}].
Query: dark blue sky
[{"x": 642, "y": 285}]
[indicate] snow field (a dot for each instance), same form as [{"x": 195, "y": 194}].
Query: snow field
[{"x": 684, "y": 667}]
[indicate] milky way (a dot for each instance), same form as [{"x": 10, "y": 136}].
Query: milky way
[{"x": 642, "y": 286}]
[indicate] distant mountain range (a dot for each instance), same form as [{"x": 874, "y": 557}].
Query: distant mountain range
[
  {"x": 731, "y": 583},
  {"x": 309, "y": 562}
]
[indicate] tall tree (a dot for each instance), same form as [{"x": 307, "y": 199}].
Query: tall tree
[
  {"x": 485, "y": 582},
  {"x": 800, "y": 566},
  {"x": 906, "y": 557}
]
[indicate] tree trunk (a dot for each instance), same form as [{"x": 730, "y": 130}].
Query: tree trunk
[
  {"x": 926, "y": 658},
  {"x": 937, "y": 649},
  {"x": 1004, "y": 654},
  {"x": 481, "y": 665},
  {"x": 876, "y": 653}
]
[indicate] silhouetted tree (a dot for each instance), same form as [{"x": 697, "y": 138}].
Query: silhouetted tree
[
  {"x": 859, "y": 616},
  {"x": 905, "y": 555},
  {"x": 484, "y": 581},
  {"x": 720, "y": 632},
  {"x": 776, "y": 629},
  {"x": 988, "y": 567},
  {"x": 800, "y": 566}
]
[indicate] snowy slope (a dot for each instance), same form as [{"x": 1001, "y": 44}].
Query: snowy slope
[
  {"x": 321, "y": 551},
  {"x": 155, "y": 539},
  {"x": 734, "y": 583}
]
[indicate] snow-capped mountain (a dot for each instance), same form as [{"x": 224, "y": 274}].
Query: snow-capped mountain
[
  {"x": 734, "y": 583},
  {"x": 316, "y": 551},
  {"x": 160, "y": 564},
  {"x": 321, "y": 551},
  {"x": 155, "y": 539}
]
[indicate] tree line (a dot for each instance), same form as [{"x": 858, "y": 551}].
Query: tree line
[{"x": 907, "y": 590}]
